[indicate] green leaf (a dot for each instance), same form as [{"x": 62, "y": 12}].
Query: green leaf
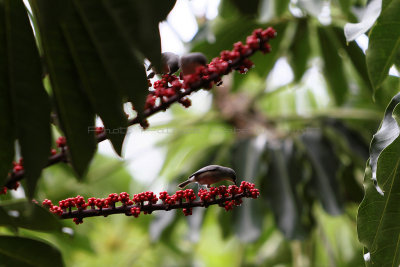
[
  {"x": 378, "y": 216},
  {"x": 139, "y": 23},
  {"x": 280, "y": 187},
  {"x": 281, "y": 6},
  {"x": 22, "y": 251},
  {"x": 345, "y": 5},
  {"x": 389, "y": 131},
  {"x": 354, "y": 141},
  {"x": 73, "y": 108},
  {"x": 115, "y": 52},
  {"x": 247, "y": 7},
  {"x": 325, "y": 166},
  {"x": 31, "y": 106},
  {"x": 356, "y": 56},
  {"x": 333, "y": 64},
  {"x": 384, "y": 43},
  {"x": 4, "y": 218},
  {"x": 161, "y": 9},
  {"x": 97, "y": 84},
  {"x": 30, "y": 216},
  {"x": 300, "y": 50},
  {"x": 7, "y": 134},
  {"x": 246, "y": 163}
]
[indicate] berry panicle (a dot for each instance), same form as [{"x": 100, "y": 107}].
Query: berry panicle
[
  {"x": 172, "y": 87},
  {"x": 78, "y": 207}
]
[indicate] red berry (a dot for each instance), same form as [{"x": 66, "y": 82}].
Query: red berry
[
  {"x": 18, "y": 168},
  {"x": 3, "y": 191},
  {"x": 47, "y": 203},
  {"x": 99, "y": 130},
  {"x": 61, "y": 141},
  {"x": 187, "y": 211},
  {"x": 185, "y": 102},
  {"x": 135, "y": 211},
  {"x": 77, "y": 220}
]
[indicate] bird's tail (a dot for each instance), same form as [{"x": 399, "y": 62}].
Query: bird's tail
[{"x": 185, "y": 183}]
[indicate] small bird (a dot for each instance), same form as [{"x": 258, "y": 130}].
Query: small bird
[
  {"x": 170, "y": 65},
  {"x": 189, "y": 62},
  {"x": 210, "y": 174}
]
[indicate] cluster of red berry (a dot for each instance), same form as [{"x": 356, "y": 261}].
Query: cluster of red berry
[
  {"x": 179, "y": 195},
  {"x": 205, "y": 76},
  {"x": 146, "y": 202},
  {"x": 165, "y": 88},
  {"x": 17, "y": 167}
]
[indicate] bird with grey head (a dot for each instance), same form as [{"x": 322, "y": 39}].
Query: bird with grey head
[
  {"x": 169, "y": 65},
  {"x": 209, "y": 175},
  {"x": 189, "y": 62}
]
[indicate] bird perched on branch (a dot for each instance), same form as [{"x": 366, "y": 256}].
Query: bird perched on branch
[
  {"x": 210, "y": 174},
  {"x": 169, "y": 65},
  {"x": 189, "y": 62}
]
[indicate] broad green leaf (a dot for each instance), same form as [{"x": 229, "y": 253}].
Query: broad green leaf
[
  {"x": 333, "y": 64},
  {"x": 281, "y": 190},
  {"x": 97, "y": 84},
  {"x": 161, "y": 9},
  {"x": 384, "y": 43},
  {"x": 30, "y": 216},
  {"x": 389, "y": 131},
  {"x": 354, "y": 141},
  {"x": 73, "y": 108},
  {"x": 7, "y": 134},
  {"x": 281, "y": 6},
  {"x": 22, "y": 251},
  {"x": 247, "y": 7},
  {"x": 300, "y": 50},
  {"x": 378, "y": 215},
  {"x": 116, "y": 53},
  {"x": 31, "y": 105},
  {"x": 355, "y": 54},
  {"x": 325, "y": 166},
  {"x": 397, "y": 61},
  {"x": 4, "y": 218},
  {"x": 227, "y": 10},
  {"x": 371, "y": 13},
  {"x": 246, "y": 163},
  {"x": 139, "y": 23},
  {"x": 345, "y": 5}
]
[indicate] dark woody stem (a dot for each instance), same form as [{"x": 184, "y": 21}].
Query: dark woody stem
[
  {"x": 15, "y": 177},
  {"x": 147, "y": 207}
]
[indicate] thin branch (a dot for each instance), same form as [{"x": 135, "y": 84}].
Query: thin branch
[{"x": 148, "y": 208}]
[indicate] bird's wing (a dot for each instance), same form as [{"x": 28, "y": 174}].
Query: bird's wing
[{"x": 205, "y": 169}]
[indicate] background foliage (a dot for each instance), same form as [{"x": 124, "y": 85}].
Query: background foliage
[{"x": 305, "y": 140}]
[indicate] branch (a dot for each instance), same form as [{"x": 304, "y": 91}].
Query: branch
[
  {"x": 204, "y": 77},
  {"x": 146, "y": 202}
]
